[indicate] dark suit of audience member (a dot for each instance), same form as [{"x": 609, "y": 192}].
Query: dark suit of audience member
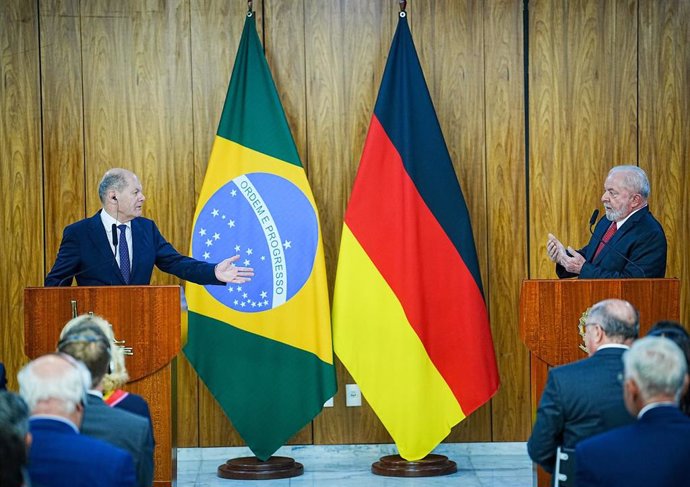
[
  {"x": 655, "y": 450},
  {"x": 127, "y": 401},
  {"x": 14, "y": 440},
  {"x": 584, "y": 398},
  {"x": 121, "y": 428},
  {"x": 61, "y": 457},
  {"x": 3, "y": 377},
  {"x": 94, "y": 256},
  {"x": 87, "y": 343},
  {"x": 635, "y": 247},
  {"x": 117, "y": 375},
  {"x": 53, "y": 387}
]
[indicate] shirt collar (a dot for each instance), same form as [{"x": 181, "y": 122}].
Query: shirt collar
[
  {"x": 620, "y": 223},
  {"x": 108, "y": 221},
  {"x": 613, "y": 345},
  {"x": 653, "y": 405}
]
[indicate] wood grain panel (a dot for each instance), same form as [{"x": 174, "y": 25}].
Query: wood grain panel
[
  {"x": 343, "y": 77},
  {"x": 62, "y": 128},
  {"x": 506, "y": 239},
  {"x": 138, "y": 107},
  {"x": 582, "y": 77},
  {"x": 216, "y": 31},
  {"x": 21, "y": 212},
  {"x": 455, "y": 77},
  {"x": 665, "y": 125}
]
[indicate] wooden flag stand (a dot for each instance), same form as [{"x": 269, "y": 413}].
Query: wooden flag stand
[
  {"x": 431, "y": 465},
  {"x": 251, "y": 468}
]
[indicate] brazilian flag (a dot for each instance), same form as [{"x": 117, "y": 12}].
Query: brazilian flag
[{"x": 264, "y": 347}]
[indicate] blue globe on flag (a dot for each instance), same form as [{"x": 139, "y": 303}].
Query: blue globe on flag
[{"x": 270, "y": 223}]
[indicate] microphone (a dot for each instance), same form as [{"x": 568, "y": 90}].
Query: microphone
[
  {"x": 593, "y": 220},
  {"x": 115, "y": 237}
]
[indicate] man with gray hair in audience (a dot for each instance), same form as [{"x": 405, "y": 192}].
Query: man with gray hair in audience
[
  {"x": 585, "y": 398},
  {"x": 655, "y": 450},
  {"x": 54, "y": 388}
]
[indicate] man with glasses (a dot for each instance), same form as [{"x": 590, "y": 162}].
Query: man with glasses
[
  {"x": 585, "y": 398},
  {"x": 629, "y": 242}
]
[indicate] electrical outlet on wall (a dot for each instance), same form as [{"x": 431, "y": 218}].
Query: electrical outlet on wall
[{"x": 353, "y": 396}]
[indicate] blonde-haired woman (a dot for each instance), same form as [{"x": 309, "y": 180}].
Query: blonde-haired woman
[{"x": 117, "y": 377}]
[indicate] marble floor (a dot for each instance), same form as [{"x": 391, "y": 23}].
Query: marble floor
[{"x": 479, "y": 465}]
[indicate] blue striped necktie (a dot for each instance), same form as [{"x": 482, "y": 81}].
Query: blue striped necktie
[{"x": 124, "y": 254}]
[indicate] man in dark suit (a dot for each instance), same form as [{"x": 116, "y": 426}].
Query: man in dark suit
[
  {"x": 117, "y": 246},
  {"x": 53, "y": 387},
  {"x": 629, "y": 242},
  {"x": 584, "y": 398},
  {"x": 655, "y": 450},
  {"x": 87, "y": 343}
]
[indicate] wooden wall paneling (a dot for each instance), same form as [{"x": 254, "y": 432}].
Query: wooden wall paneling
[
  {"x": 582, "y": 74},
  {"x": 284, "y": 29},
  {"x": 138, "y": 112},
  {"x": 216, "y": 27},
  {"x": 449, "y": 38},
  {"x": 346, "y": 48},
  {"x": 63, "y": 128},
  {"x": 664, "y": 127},
  {"x": 506, "y": 239},
  {"x": 137, "y": 98},
  {"x": 21, "y": 213},
  {"x": 216, "y": 31}
]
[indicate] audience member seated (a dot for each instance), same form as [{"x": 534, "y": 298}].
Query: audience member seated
[
  {"x": 655, "y": 450},
  {"x": 117, "y": 377},
  {"x": 54, "y": 388},
  {"x": 584, "y": 398},
  {"x": 675, "y": 332},
  {"x": 86, "y": 342},
  {"x": 14, "y": 440}
]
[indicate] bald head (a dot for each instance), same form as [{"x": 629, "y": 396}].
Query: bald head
[
  {"x": 611, "y": 321},
  {"x": 115, "y": 179}
]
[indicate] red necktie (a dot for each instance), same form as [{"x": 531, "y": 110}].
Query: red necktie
[{"x": 605, "y": 239}]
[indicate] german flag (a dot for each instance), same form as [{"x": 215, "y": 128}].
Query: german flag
[{"x": 409, "y": 318}]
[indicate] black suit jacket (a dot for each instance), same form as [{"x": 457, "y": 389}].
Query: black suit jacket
[
  {"x": 580, "y": 400},
  {"x": 637, "y": 249},
  {"x": 85, "y": 254},
  {"x": 654, "y": 451}
]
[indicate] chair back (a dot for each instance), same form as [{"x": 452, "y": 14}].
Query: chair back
[{"x": 564, "y": 472}]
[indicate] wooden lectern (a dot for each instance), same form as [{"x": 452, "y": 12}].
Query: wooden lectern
[
  {"x": 146, "y": 318},
  {"x": 550, "y": 310}
]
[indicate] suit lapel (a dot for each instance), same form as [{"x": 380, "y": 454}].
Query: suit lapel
[
  {"x": 137, "y": 245},
  {"x": 100, "y": 242},
  {"x": 628, "y": 227}
]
